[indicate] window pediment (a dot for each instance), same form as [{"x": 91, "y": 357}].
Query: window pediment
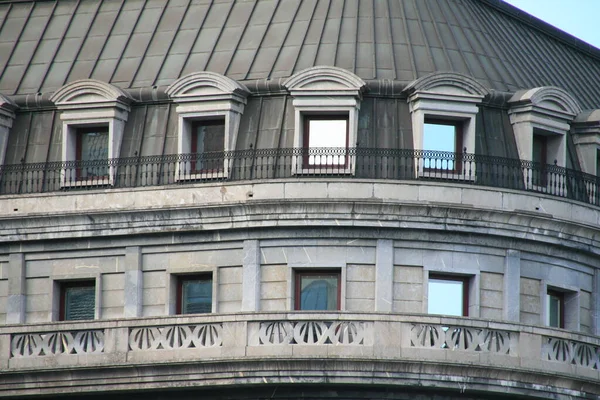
[
  {"x": 448, "y": 83},
  {"x": 549, "y": 100},
  {"x": 325, "y": 80},
  {"x": 206, "y": 86},
  {"x": 90, "y": 93}
]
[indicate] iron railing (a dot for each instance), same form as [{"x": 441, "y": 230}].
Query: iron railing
[{"x": 332, "y": 163}]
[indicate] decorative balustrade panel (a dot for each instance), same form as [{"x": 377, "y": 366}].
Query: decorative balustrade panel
[
  {"x": 571, "y": 352},
  {"x": 55, "y": 343},
  {"x": 351, "y": 333},
  {"x": 461, "y": 338},
  {"x": 176, "y": 337}
]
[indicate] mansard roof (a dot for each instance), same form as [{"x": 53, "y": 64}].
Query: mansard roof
[{"x": 141, "y": 44}]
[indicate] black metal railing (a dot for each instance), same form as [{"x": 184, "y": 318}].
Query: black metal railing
[{"x": 251, "y": 164}]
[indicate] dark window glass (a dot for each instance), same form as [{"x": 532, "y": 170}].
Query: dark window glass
[
  {"x": 448, "y": 295},
  {"x": 317, "y": 290},
  {"x": 78, "y": 301},
  {"x": 92, "y": 146},
  {"x": 208, "y": 143},
  {"x": 539, "y": 158},
  {"x": 326, "y": 139},
  {"x": 555, "y": 309},
  {"x": 194, "y": 294}
]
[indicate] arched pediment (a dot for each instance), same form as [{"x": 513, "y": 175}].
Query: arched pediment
[
  {"x": 205, "y": 84},
  {"x": 324, "y": 78},
  {"x": 448, "y": 83},
  {"x": 88, "y": 91},
  {"x": 548, "y": 98}
]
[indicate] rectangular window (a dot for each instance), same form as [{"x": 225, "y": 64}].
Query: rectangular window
[
  {"x": 448, "y": 295},
  {"x": 194, "y": 294},
  {"x": 208, "y": 145},
  {"x": 317, "y": 290},
  {"x": 92, "y": 152},
  {"x": 555, "y": 309},
  {"x": 325, "y": 141},
  {"x": 77, "y": 300},
  {"x": 439, "y": 139}
]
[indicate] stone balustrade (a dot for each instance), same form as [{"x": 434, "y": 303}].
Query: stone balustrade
[{"x": 297, "y": 336}]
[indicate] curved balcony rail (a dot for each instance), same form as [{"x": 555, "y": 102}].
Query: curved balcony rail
[
  {"x": 362, "y": 337},
  {"x": 364, "y": 163}
]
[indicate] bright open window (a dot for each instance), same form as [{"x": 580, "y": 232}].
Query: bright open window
[
  {"x": 325, "y": 141},
  {"x": 194, "y": 294},
  {"x": 439, "y": 139},
  {"x": 448, "y": 295},
  {"x": 317, "y": 290}
]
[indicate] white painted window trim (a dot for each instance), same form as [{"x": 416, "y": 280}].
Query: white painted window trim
[
  {"x": 91, "y": 103},
  {"x": 445, "y": 96},
  {"x": 325, "y": 90},
  {"x": 586, "y": 137},
  {"x": 172, "y": 276},
  {"x": 205, "y": 95}
]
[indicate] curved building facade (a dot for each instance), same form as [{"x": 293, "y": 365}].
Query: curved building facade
[{"x": 297, "y": 199}]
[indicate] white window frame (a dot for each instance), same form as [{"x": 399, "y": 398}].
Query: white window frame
[
  {"x": 91, "y": 103},
  {"x": 206, "y": 95},
  {"x": 325, "y": 90},
  {"x": 7, "y": 115},
  {"x": 447, "y": 97}
]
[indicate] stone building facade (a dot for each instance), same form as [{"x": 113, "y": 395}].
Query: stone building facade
[{"x": 250, "y": 200}]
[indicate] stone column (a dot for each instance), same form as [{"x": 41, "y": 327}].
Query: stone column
[
  {"x": 133, "y": 282},
  {"x": 251, "y": 276},
  {"x": 512, "y": 286},
  {"x": 15, "y": 306},
  {"x": 384, "y": 275}
]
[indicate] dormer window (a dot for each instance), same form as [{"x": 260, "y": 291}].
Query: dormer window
[
  {"x": 443, "y": 108},
  {"x": 94, "y": 115},
  {"x": 209, "y": 106},
  {"x": 7, "y": 115},
  {"x": 326, "y": 104}
]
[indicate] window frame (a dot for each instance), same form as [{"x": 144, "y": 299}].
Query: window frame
[
  {"x": 306, "y": 118},
  {"x": 179, "y": 290},
  {"x": 79, "y": 132},
  {"x": 194, "y": 124},
  {"x": 64, "y": 285},
  {"x": 299, "y": 273},
  {"x": 466, "y": 283},
  {"x": 458, "y": 143},
  {"x": 551, "y": 292}
]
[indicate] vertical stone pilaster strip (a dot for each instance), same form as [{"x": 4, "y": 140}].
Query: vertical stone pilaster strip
[
  {"x": 15, "y": 306},
  {"x": 251, "y": 276},
  {"x": 512, "y": 286},
  {"x": 133, "y": 282},
  {"x": 384, "y": 275}
]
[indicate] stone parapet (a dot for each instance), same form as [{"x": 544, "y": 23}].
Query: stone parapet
[{"x": 132, "y": 354}]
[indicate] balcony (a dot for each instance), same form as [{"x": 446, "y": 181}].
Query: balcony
[
  {"x": 276, "y": 348},
  {"x": 261, "y": 164}
]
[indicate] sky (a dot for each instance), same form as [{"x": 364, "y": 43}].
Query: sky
[{"x": 580, "y": 18}]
